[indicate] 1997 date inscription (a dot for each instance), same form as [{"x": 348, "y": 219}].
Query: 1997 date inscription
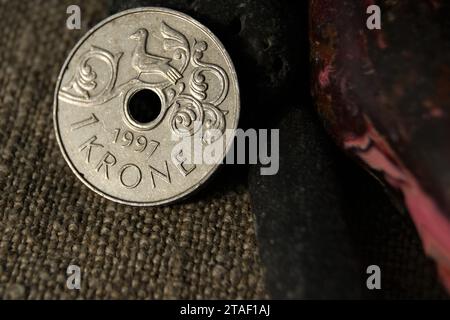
[{"x": 130, "y": 175}]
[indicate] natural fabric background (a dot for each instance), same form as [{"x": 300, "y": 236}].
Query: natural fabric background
[{"x": 204, "y": 247}]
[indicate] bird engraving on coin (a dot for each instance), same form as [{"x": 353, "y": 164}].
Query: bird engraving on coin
[
  {"x": 145, "y": 52},
  {"x": 144, "y": 62}
]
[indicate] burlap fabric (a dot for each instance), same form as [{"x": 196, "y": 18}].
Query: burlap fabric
[{"x": 204, "y": 247}]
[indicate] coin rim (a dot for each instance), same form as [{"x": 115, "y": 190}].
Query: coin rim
[{"x": 228, "y": 60}]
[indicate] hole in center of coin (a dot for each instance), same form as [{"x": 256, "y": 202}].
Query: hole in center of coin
[{"x": 144, "y": 106}]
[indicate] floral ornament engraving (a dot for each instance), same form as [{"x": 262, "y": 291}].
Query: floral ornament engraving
[
  {"x": 197, "y": 84},
  {"x": 214, "y": 123},
  {"x": 176, "y": 42},
  {"x": 186, "y": 112},
  {"x": 173, "y": 92},
  {"x": 84, "y": 82},
  {"x": 214, "y": 119}
]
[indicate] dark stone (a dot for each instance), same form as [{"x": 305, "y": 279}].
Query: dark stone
[
  {"x": 322, "y": 220},
  {"x": 384, "y": 96},
  {"x": 304, "y": 241}
]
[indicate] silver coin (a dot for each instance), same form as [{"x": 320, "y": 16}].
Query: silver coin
[{"x": 132, "y": 87}]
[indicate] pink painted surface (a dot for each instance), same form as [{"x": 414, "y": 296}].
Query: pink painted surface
[{"x": 433, "y": 227}]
